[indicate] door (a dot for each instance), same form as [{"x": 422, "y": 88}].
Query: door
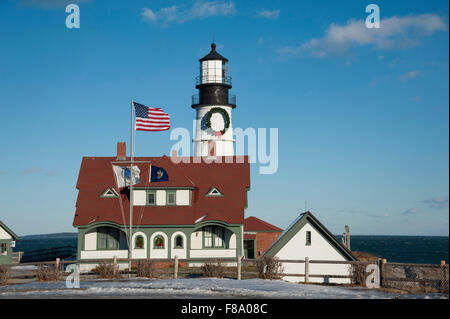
[{"x": 249, "y": 248}]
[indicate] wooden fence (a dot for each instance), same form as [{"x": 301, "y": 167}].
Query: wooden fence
[{"x": 385, "y": 278}]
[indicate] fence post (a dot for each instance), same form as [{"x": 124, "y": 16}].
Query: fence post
[
  {"x": 115, "y": 265},
  {"x": 443, "y": 275},
  {"x": 306, "y": 269},
  {"x": 239, "y": 266},
  {"x": 382, "y": 271},
  {"x": 379, "y": 272},
  {"x": 57, "y": 264},
  {"x": 175, "y": 268}
]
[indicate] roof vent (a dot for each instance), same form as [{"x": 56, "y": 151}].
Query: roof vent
[{"x": 213, "y": 192}]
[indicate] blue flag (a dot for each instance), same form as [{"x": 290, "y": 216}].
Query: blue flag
[{"x": 158, "y": 174}]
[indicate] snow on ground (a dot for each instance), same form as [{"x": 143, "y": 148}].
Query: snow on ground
[{"x": 193, "y": 288}]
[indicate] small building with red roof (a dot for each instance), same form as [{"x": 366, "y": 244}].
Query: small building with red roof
[{"x": 258, "y": 236}]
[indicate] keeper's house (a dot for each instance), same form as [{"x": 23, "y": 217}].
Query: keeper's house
[
  {"x": 197, "y": 213},
  {"x": 307, "y": 237},
  {"x": 7, "y": 241}
]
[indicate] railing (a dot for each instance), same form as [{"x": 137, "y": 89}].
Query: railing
[
  {"x": 231, "y": 99},
  {"x": 206, "y": 79}
]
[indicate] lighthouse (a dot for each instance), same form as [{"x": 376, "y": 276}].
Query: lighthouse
[{"x": 213, "y": 105}]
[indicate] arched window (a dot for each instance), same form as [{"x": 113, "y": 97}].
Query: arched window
[
  {"x": 108, "y": 238},
  {"x": 179, "y": 241},
  {"x": 158, "y": 243},
  {"x": 139, "y": 242}
]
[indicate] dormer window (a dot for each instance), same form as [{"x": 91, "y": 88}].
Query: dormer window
[
  {"x": 214, "y": 192},
  {"x": 109, "y": 193}
]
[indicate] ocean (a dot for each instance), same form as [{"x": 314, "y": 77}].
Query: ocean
[{"x": 404, "y": 249}]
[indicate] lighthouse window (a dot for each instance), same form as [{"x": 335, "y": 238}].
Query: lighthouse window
[{"x": 224, "y": 72}]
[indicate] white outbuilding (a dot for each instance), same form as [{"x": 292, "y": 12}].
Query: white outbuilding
[{"x": 305, "y": 238}]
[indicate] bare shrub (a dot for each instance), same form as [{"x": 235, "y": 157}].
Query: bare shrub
[
  {"x": 213, "y": 269},
  {"x": 269, "y": 267},
  {"x": 4, "y": 275},
  {"x": 146, "y": 268},
  {"x": 48, "y": 273},
  {"x": 358, "y": 274},
  {"x": 105, "y": 269}
]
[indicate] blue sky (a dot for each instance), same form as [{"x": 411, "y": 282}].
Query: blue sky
[{"x": 362, "y": 116}]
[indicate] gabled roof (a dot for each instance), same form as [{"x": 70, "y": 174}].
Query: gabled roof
[
  {"x": 298, "y": 224},
  {"x": 255, "y": 224},
  {"x": 9, "y": 231},
  {"x": 231, "y": 177}
]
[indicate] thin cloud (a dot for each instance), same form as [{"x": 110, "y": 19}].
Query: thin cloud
[
  {"x": 438, "y": 202},
  {"x": 180, "y": 14},
  {"x": 411, "y": 211},
  {"x": 52, "y": 173},
  {"x": 395, "y": 32},
  {"x": 364, "y": 213},
  {"x": 148, "y": 15},
  {"x": 409, "y": 75},
  {"x": 383, "y": 215},
  {"x": 353, "y": 211},
  {"x": 31, "y": 170},
  {"x": 265, "y": 14},
  {"x": 3, "y": 173},
  {"x": 37, "y": 170}
]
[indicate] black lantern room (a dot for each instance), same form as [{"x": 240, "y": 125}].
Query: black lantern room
[{"x": 213, "y": 82}]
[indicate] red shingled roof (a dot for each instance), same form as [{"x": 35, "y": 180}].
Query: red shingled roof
[
  {"x": 96, "y": 175},
  {"x": 255, "y": 224}
]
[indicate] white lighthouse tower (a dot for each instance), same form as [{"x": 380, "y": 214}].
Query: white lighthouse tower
[{"x": 213, "y": 104}]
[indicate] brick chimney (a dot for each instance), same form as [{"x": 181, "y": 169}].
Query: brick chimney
[{"x": 121, "y": 151}]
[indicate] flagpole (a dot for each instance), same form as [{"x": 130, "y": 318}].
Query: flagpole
[{"x": 131, "y": 195}]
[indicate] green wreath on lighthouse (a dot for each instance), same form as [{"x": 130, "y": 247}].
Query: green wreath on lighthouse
[{"x": 225, "y": 116}]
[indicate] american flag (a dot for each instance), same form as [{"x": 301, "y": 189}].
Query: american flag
[{"x": 151, "y": 118}]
